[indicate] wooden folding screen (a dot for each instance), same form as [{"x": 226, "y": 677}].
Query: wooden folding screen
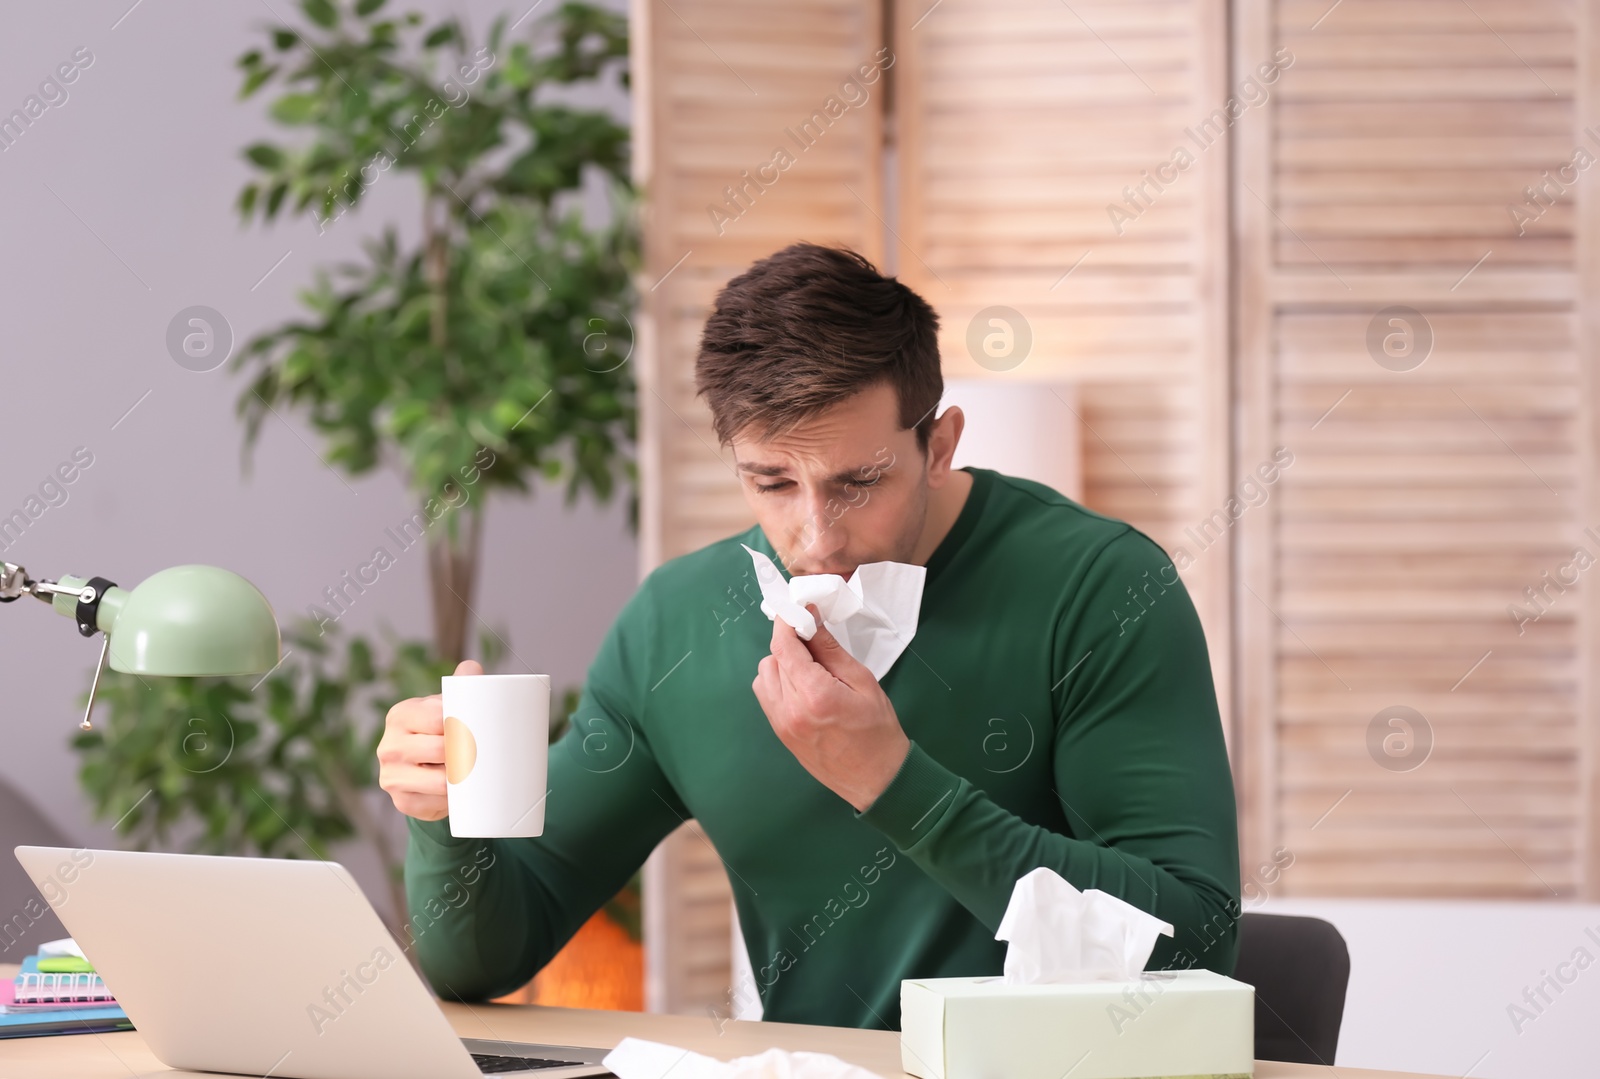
[
  {"x": 1202, "y": 214},
  {"x": 1409, "y": 326}
]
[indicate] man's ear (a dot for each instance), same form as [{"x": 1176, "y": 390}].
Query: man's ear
[{"x": 942, "y": 441}]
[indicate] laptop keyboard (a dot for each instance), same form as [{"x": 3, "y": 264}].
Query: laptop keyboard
[{"x": 493, "y": 1063}]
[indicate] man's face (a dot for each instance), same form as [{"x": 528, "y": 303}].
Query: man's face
[{"x": 846, "y": 487}]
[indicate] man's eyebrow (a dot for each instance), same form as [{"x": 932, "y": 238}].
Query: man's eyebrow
[{"x": 847, "y": 476}]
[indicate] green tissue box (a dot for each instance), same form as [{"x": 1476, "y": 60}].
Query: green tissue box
[{"x": 1165, "y": 1025}]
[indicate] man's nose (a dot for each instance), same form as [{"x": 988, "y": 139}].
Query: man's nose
[{"x": 823, "y": 537}]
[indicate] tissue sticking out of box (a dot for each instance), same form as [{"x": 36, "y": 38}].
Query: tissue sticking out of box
[
  {"x": 873, "y": 615},
  {"x": 635, "y": 1058},
  {"x": 1056, "y": 934}
]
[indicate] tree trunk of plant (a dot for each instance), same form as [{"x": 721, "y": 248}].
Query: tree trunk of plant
[
  {"x": 452, "y": 577},
  {"x": 452, "y": 559}
]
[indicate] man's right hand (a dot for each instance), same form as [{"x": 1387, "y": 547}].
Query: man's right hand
[{"x": 411, "y": 754}]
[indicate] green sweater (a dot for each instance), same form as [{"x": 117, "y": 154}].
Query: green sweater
[{"x": 1059, "y": 702}]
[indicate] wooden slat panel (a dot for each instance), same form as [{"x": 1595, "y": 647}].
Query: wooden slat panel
[
  {"x": 1422, "y": 504},
  {"x": 1586, "y": 333},
  {"x": 1403, "y": 137}
]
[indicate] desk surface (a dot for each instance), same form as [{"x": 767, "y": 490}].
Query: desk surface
[{"x": 118, "y": 1056}]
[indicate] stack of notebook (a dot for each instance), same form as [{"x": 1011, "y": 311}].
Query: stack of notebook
[{"x": 58, "y": 992}]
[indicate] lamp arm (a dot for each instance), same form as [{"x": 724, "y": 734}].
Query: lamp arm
[
  {"x": 82, "y": 603},
  {"x": 15, "y": 582}
]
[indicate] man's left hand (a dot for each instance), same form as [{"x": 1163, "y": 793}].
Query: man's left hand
[{"x": 830, "y": 713}]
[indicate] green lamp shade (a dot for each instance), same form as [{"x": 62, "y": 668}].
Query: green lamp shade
[{"x": 191, "y": 620}]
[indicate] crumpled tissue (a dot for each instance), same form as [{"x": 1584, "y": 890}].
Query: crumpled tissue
[
  {"x": 1056, "y": 934},
  {"x": 873, "y": 615},
  {"x": 635, "y": 1058}
]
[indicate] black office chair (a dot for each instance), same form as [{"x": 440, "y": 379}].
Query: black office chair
[
  {"x": 25, "y": 919},
  {"x": 1300, "y": 968}
]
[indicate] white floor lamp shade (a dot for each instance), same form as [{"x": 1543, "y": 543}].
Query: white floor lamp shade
[{"x": 1027, "y": 429}]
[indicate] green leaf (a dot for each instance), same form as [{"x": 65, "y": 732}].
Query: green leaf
[
  {"x": 321, "y": 12},
  {"x": 367, "y": 7},
  {"x": 439, "y": 35},
  {"x": 256, "y": 79},
  {"x": 275, "y": 199},
  {"x": 361, "y": 668},
  {"x": 296, "y": 108},
  {"x": 284, "y": 38},
  {"x": 247, "y": 200},
  {"x": 264, "y": 154}
]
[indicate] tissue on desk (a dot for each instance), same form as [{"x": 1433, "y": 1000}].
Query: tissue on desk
[
  {"x": 635, "y": 1058},
  {"x": 873, "y": 615},
  {"x": 1056, "y": 934}
]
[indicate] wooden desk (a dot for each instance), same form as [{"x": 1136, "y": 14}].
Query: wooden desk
[{"x": 119, "y": 1056}]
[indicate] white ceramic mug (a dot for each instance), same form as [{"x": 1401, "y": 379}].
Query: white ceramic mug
[{"x": 496, "y": 753}]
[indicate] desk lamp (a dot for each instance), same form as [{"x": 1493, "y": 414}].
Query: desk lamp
[{"x": 187, "y": 620}]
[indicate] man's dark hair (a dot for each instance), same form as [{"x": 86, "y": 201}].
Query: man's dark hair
[{"x": 807, "y": 327}]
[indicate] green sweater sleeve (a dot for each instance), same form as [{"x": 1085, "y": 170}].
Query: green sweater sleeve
[
  {"x": 1140, "y": 767},
  {"x": 487, "y": 914}
]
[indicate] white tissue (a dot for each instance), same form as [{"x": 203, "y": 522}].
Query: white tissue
[
  {"x": 1057, "y": 934},
  {"x": 635, "y": 1058},
  {"x": 873, "y": 615}
]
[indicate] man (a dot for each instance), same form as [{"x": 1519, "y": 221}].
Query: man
[{"x": 1055, "y": 707}]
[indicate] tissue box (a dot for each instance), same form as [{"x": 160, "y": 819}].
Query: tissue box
[{"x": 1172, "y": 1023}]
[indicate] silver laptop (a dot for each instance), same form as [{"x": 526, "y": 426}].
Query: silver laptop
[{"x": 263, "y": 966}]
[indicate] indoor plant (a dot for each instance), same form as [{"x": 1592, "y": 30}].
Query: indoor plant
[
  {"x": 506, "y": 328},
  {"x": 490, "y": 354}
]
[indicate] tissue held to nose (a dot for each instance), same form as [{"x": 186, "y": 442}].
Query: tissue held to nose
[
  {"x": 1055, "y": 933},
  {"x": 873, "y": 615},
  {"x": 834, "y": 601}
]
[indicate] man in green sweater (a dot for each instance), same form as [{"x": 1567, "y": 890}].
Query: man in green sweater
[{"x": 1055, "y": 707}]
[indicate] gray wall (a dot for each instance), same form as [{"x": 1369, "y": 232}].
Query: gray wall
[
  {"x": 118, "y": 214},
  {"x": 1465, "y": 987}
]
